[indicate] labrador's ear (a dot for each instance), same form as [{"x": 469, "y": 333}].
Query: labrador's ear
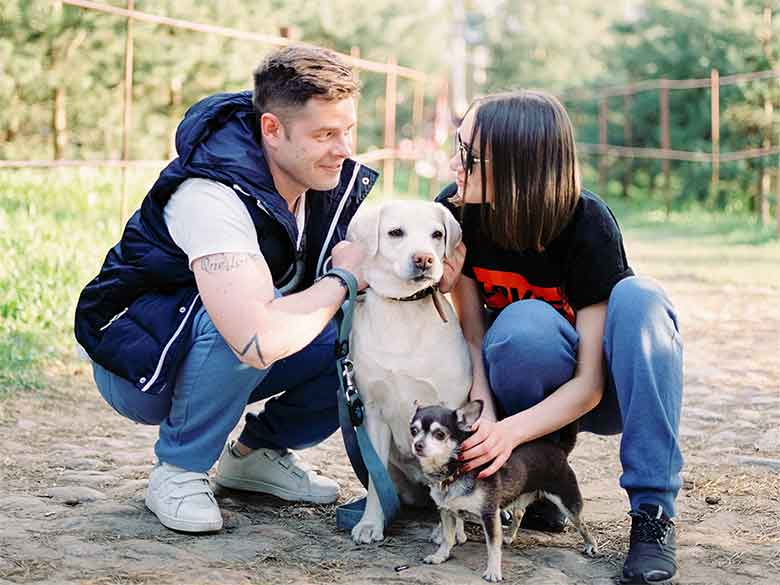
[
  {"x": 364, "y": 228},
  {"x": 452, "y": 231}
]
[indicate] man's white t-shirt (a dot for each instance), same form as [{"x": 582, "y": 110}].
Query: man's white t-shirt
[{"x": 205, "y": 217}]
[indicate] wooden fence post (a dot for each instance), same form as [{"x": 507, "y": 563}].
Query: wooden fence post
[
  {"x": 765, "y": 194},
  {"x": 603, "y": 128},
  {"x": 417, "y": 129},
  {"x": 715, "y": 132},
  {"x": 627, "y": 140},
  {"x": 665, "y": 144},
  {"x": 777, "y": 195},
  {"x": 126, "y": 115},
  {"x": 390, "y": 102}
]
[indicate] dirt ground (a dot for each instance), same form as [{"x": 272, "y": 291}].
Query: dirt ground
[{"x": 73, "y": 476}]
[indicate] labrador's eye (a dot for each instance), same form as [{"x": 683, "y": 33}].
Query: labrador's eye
[
  {"x": 437, "y": 235},
  {"x": 439, "y": 435},
  {"x": 396, "y": 233}
]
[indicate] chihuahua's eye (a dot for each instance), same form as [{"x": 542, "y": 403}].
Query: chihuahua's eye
[
  {"x": 437, "y": 235},
  {"x": 396, "y": 233},
  {"x": 439, "y": 435},
  {"x": 414, "y": 431}
]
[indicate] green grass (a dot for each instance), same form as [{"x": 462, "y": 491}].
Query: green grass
[
  {"x": 700, "y": 245},
  {"x": 56, "y": 227}
]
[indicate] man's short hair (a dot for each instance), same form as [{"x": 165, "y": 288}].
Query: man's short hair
[{"x": 287, "y": 78}]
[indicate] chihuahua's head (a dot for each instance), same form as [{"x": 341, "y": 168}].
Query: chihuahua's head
[{"x": 437, "y": 432}]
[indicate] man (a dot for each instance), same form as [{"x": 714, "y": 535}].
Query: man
[{"x": 215, "y": 295}]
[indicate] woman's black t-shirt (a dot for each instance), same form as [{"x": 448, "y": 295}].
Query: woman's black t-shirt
[{"x": 577, "y": 269}]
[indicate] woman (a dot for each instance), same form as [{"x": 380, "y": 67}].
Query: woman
[{"x": 558, "y": 326}]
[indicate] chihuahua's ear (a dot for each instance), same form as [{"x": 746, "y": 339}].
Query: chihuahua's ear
[
  {"x": 364, "y": 228},
  {"x": 468, "y": 414},
  {"x": 416, "y": 409}
]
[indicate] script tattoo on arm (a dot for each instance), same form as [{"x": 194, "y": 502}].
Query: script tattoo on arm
[
  {"x": 251, "y": 349},
  {"x": 223, "y": 262}
]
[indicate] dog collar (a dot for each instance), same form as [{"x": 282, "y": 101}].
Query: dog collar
[
  {"x": 420, "y": 294},
  {"x": 426, "y": 292},
  {"x": 450, "y": 479}
]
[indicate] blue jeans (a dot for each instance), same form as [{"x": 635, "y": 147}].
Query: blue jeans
[
  {"x": 530, "y": 350},
  {"x": 212, "y": 389}
]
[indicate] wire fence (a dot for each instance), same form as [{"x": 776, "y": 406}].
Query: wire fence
[{"x": 714, "y": 157}]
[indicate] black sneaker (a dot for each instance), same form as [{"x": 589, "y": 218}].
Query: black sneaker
[
  {"x": 543, "y": 516},
  {"x": 652, "y": 552}
]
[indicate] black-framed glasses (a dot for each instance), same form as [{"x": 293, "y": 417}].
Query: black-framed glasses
[{"x": 467, "y": 157}]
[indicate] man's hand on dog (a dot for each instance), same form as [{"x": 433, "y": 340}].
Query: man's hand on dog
[
  {"x": 491, "y": 442},
  {"x": 453, "y": 264},
  {"x": 349, "y": 256}
]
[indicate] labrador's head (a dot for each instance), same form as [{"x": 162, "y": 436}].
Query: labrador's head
[{"x": 406, "y": 242}]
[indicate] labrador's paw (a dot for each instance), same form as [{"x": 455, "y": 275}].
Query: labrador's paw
[{"x": 367, "y": 531}]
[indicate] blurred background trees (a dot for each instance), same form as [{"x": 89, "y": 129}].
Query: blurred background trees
[{"x": 61, "y": 72}]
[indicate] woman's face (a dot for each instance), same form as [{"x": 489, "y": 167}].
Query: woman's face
[{"x": 466, "y": 142}]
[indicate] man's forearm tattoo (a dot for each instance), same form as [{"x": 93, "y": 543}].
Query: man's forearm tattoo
[
  {"x": 223, "y": 262},
  {"x": 251, "y": 349}
]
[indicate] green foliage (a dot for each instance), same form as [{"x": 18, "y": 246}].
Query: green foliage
[
  {"x": 45, "y": 45},
  {"x": 55, "y": 229}
]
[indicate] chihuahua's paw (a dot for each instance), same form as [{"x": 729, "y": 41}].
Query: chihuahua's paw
[
  {"x": 435, "y": 536},
  {"x": 436, "y": 558},
  {"x": 492, "y": 575},
  {"x": 460, "y": 532},
  {"x": 367, "y": 531},
  {"x": 590, "y": 549}
]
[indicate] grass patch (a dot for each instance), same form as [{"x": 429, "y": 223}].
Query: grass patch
[
  {"x": 700, "y": 245},
  {"x": 55, "y": 229}
]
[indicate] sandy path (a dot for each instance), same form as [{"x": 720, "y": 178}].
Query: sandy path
[{"x": 73, "y": 476}]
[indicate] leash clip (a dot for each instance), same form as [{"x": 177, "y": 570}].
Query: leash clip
[{"x": 355, "y": 404}]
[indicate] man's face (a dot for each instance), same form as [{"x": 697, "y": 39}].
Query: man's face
[{"x": 314, "y": 142}]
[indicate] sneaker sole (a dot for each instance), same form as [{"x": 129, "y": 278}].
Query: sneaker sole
[
  {"x": 184, "y": 525},
  {"x": 248, "y": 485},
  {"x": 670, "y": 581}
]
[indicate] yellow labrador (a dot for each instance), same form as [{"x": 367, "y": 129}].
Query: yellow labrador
[{"x": 406, "y": 341}]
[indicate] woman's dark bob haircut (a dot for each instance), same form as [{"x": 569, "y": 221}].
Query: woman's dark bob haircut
[{"x": 527, "y": 139}]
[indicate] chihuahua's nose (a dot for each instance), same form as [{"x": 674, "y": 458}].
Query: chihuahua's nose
[
  {"x": 423, "y": 261},
  {"x": 418, "y": 448}
]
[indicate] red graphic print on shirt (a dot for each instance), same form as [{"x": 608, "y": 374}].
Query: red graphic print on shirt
[{"x": 501, "y": 288}]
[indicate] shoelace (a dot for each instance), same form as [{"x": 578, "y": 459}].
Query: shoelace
[{"x": 645, "y": 528}]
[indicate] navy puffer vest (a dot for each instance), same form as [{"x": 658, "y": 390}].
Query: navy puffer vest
[{"x": 134, "y": 317}]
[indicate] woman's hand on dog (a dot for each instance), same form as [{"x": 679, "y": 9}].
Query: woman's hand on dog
[
  {"x": 492, "y": 443},
  {"x": 453, "y": 264}
]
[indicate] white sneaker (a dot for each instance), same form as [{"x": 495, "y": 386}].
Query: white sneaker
[
  {"x": 277, "y": 472},
  {"x": 182, "y": 500}
]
